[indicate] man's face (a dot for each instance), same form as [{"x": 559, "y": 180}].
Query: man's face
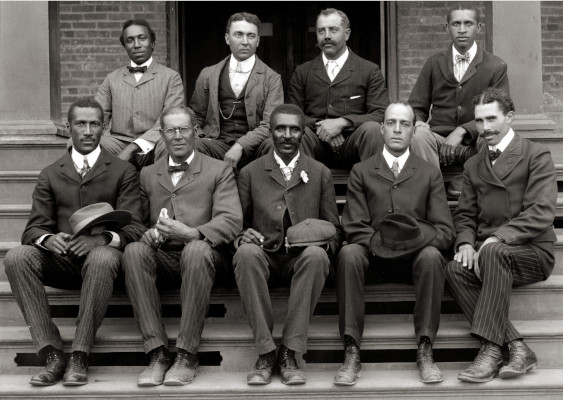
[
  {"x": 463, "y": 29},
  {"x": 138, "y": 43},
  {"x": 492, "y": 123},
  {"x": 179, "y": 136},
  {"x": 397, "y": 128},
  {"x": 243, "y": 39},
  {"x": 332, "y": 36},
  {"x": 286, "y": 134},
  {"x": 85, "y": 127}
]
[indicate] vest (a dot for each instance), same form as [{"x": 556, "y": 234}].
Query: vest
[{"x": 236, "y": 125}]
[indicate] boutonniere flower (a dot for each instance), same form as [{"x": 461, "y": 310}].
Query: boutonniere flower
[{"x": 304, "y": 176}]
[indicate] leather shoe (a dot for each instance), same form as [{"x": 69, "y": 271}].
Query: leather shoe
[
  {"x": 263, "y": 369},
  {"x": 349, "y": 371},
  {"x": 522, "y": 359},
  {"x": 153, "y": 375},
  {"x": 76, "y": 373},
  {"x": 290, "y": 373},
  {"x": 183, "y": 370},
  {"x": 54, "y": 368},
  {"x": 485, "y": 366},
  {"x": 428, "y": 371}
]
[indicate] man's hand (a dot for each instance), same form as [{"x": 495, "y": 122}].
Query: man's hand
[
  {"x": 172, "y": 229},
  {"x": 57, "y": 243},
  {"x": 128, "y": 152},
  {"x": 234, "y": 155},
  {"x": 336, "y": 143},
  {"x": 152, "y": 238},
  {"x": 84, "y": 244},
  {"x": 330, "y": 128},
  {"x": 466, "y": 255},
  {"x": 252, "y": 236},
  {"x": 447, "y": 149}
]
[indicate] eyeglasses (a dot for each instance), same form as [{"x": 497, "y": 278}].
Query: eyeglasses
[{"x": 183, "y": 130}]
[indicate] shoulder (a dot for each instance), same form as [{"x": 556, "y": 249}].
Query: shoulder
[
  {"x": 255, "y": 165},
  {"x": 533, "y": 149},
  {"x": 492, "y": 60},
  {"x": 116, "y": 74},
  {"x": 362, "y": 62},
  {"x": 303, "y": 68},
  {"x": 211, "y": 69},
  {"x": 264, "y": 68}
]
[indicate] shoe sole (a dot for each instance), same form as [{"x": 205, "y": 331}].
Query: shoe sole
[
  {"x": 257, "y": 383},
  {"x": 177, "y": 383},
  {"x": 348, "y": 383},
  {"x": 148, "y": 384},
  {"x": 469, "y": 379},
  {"x": 432, "y": 380},
  {"x": 510, "y": 373},
  {"x": 74, "y": 383},
  {"x": 35, "y": 383}
]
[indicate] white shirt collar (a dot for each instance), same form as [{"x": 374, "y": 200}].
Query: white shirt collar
[
  {"x": 145, "y": 64},
  {"x": 291, "y": 164},
  {"x": 340, "y": 60},
  {"x": 188, "y": 160},
  {"x": 245, "y": 65},
  {"x": 92, "y": 157},
  {"x": 389, "y": 158},
  {"x": 503, "y": 144},
  {"x": 472, "y": 52}
]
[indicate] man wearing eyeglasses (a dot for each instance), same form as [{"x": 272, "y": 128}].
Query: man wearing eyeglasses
[
  {"x": 234, "y": 98},
  {"x": 191, "y": 204}
]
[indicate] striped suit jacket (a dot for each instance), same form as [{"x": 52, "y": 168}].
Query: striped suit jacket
[{"x": 132, "y": 109}]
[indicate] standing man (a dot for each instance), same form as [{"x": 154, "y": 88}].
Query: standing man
[
  {"x": 504, "y": 225},
  {"x": 191, "y": 203},
  {"x": 447, "y": 84},
  {"x": 282, "y": 191},
  {"x": 134, "y": 96},
  {"x": 398, "y": 224},
  {"x": 52, "y": 256},
  {"x": 343, "y": 97},
  {"x": 234, "y": 98}
]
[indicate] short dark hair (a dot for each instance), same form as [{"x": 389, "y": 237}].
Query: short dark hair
[
  {"x": 328, "y": 11},
  {"x": 402, "y": 103},
  {"x": 290, "y": 109},
  {"x": 178, "y": 110},
  {"x": 85, "y": 102},
  {"x": 244, "y": 16},
  {"x": 138, "y": 21},
  {"x": 491, "y": 95},
  {"x": 464, "y": 6}
]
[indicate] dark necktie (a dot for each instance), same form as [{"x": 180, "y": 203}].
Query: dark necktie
[
  {"x": 85, "y": 168},
  {"x": 133, "y": 70},
  {"x": 178, "y": 168},
  {"x": 494, "y": 154}
]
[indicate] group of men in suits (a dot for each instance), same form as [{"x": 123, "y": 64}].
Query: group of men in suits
[{"x": 187, "y": 217}]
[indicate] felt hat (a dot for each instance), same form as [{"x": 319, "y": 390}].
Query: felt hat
[{"x": 97, "y": 214}]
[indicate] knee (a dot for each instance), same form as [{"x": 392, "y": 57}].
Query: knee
[
  {"x": 18, "y": 259},
  {"x": 197, "y": 255},
  {"x": 492, "y": 250},
  {"x": 249, "y": 259},
  {"x": 351, "y": 258},
  {"x": 315, "y": 260},
  {"x": 430, "y": 261},
  {"x": 133, "y": 252},
  {"x": 104, "y": 259},
  {"x": 453, "y": 269}
]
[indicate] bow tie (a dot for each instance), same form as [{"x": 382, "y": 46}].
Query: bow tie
[
  {"x": 133, "y": 70},
  {"x": 493, "y": 155},
  {"x": 178, "y": 168},
  {"x": 464, "y": 57}
]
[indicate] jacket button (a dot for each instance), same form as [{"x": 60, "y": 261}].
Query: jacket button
[
  {"x": 459, "y": 107},
  {"x": 278, "y": 228},
  {"x": 278, "y": 208},
  {"x": 330, "y": 106},
  {"x": 173, "y": 195},
  {"x": 389, "y": 210},
  {"x": 394, "y": 186}
]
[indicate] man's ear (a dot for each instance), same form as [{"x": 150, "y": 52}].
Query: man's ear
[{"x": 227, "y": 38}]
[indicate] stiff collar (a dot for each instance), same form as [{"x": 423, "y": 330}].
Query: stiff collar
[
  {"x": 145, "y": 64},
  {"x": 503, "y": 144},
  {"x": 472, "y": 52},
  {"x": 92, "y": 157},
  {"x": 291, "y": 164},
  {"x": 188, "y": 160},
  {"x": 389, "y": 158},
  {"x": 245, "y": 65},
  {"x": 339, "y": 61}
]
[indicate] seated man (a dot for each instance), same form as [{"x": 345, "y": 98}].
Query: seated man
[
  {"x": 234, "y": 98},
  {"x": 277, "y": 192},
  {"x": 191, "y": 203},
  {"x": 134, "y": 96},
  {"x": 398, "y": 225},
  {"x": 504, "y": 225},
  {"x": 52, "y": 256}
]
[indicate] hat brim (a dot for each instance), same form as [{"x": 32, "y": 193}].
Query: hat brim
[
  {"x": 118, "y": 218},
  {"x": 428, "y": 231}
]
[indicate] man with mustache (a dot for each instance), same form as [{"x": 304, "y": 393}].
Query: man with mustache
[
  {"x": 505, "y": 237},
  {"x": 342, "y": 95},
  {"x": 281, "y": 193},
  {"x": 234, "y": 98},
  {"x": 446, "y": 85}
]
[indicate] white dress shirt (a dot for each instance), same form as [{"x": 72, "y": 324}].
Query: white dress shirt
[
  {"x": 287, "y": 170},
  {"x": 503, "y": 144},
  {"x": 175, "y": 176},
  {"x": 335, "y": 68},
  {"x": 460, "y": 67},
  {"x": 389, "y": 158},
  {"x": 143, "y": 144},
  {"x": 239, "y": 77}
]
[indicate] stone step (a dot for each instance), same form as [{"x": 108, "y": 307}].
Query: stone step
[
  {"x": 30, "y": 152},
  {"x": 17, "y": 186},
  {"x": 212, "y": 385}
]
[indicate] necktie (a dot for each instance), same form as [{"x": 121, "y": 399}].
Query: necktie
[
  {"x": 236, "y": 82},
  {"x": 85, "y": 168},
  {"x": 466, "y": 57},
  {"x": 395, "y": 167},
  {"x": 461, "y": 65},
  {"x": 494, "y": 154},
  {"x": 133, "y": 70},
  {"x": 178, "y": 168},
  {"x": 332, "y": 69}
]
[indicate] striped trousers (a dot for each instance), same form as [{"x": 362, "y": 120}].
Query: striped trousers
[
  {"x": 486, "y": 303},
  {"x": 192, "y": 269},
  {"x": 29, "y": 269}
]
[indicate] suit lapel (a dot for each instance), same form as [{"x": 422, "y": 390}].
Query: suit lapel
[
  {"x": 190, "y": 175},
  {"x": 302, "y": 165},
  {"x": 447, "y": 65},
  {"x": 509, "y": 158},
  {"x": 149, "y": 75},
  {"x": 347, "y": 69},
  {"x": 214, "y": 88},
  {"x": 407, "y": 171},
  {"x": 254, "y": 77},
  {"x": 68, "y": 169},
  {"x": 128, "y": 77},
  {"x": 485, "y": 170},
  {"x": 274, "y": 170},
  {"x": 383, "y": 169},
  {"x": 98, "y": 168},
  {"x": 320, "y": 70},
  {"x": 162, "y": 175},
  {"x": 472, "y": 68}
]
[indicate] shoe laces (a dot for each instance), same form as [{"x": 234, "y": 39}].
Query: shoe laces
[
  {"x": 159, "y": 355},
  {"x": 287, "y": 357},
  {"x": 487, "y": 352},
  {"x": 265, "y": 361}
]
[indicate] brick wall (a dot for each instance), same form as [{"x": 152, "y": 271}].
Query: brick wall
[
  {"x": 552, "y": 55},
  {"x": 89, "y": 42}
]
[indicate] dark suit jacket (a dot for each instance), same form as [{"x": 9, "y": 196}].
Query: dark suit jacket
[
  {"x": 265, "y": 198},
  {"x": 452, "y": 101},
  {"x": 134, "y": 108},
  {"x": 515, "y": 199},
  {"x": 373, "y": 192},
  {"x": 263, "y": 93},
  {"x": 205, "y": 198},
  {"x": 60, "y": 191},
  {"x": 311, "y": 89}
]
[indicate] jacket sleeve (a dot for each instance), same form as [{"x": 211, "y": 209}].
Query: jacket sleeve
[
  {"x": 421, "y": 96},
  {"x": 329, "y": 211},
  {"x": 43, "y": 217},
  {"x": 245, "y": 194},
  {"x": 200, "y": 97},
  {"x": 103, "y": 96},
  {"x": 466, "y": 214},
  {"x": 356, "y": 219},
  {"x": 296, "y": 92},
  {"x": 438, "y": 213},
  {"x": 129, "y": 198}
]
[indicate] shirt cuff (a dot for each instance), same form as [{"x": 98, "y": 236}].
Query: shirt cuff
[
  {"x": 144, "y": 145},
  {"x": 39, "y": 241},
  {"x": 115, "y": 240}
]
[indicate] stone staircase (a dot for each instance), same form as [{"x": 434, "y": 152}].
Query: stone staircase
[{"x": 227, "y": 352}]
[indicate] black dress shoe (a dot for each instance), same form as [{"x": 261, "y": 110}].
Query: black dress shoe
[
  {"x": 290, "y": 373},
  {"x": 153, "y": 375},
  {"x": 263, "y": 369},
  {"x": 427, "y": 368},
  {"x": 522, "y": 359},
  {"x": 349, "y": 371},
  {"x": 76, "y": 373},
  {"x": 485, "y": 366},
  {"x": 183, "y": 370},
  {"x": 54, "y": 368}
]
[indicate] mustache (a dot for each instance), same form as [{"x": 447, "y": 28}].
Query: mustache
[
  {"x": 325, "y": 41},
  {"x": 489, "y": 132}
]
